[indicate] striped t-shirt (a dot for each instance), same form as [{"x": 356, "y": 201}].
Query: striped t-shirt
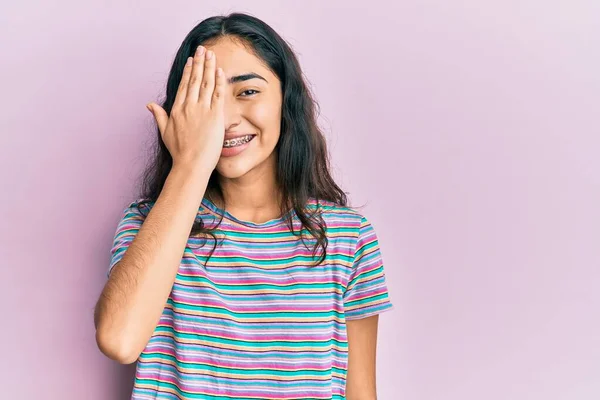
[{"x": 258, "y": 320}]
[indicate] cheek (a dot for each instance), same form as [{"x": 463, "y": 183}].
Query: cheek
[{"x": 266, "y": 116}]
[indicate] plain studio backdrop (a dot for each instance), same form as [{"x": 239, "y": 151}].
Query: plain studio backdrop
[{"x": 469, "y": 129}]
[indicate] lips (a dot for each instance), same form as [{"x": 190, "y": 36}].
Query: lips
[{"x": 231, "y": 151}]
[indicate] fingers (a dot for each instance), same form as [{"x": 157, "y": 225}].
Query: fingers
[
  {"x": 199, "y": 82},
  {"x": 160, "y": 115},
  {"x": 183, "y": 84},
  {"x": 196, "y": 76},
  {"x": 218, "y": 97},
  {"x": 208, "y": 80}
]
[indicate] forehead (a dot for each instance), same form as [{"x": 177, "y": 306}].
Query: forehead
[{"x": 236, "y": 59}]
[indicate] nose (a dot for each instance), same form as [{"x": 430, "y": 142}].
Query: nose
[{"x": 233, "y": 114}]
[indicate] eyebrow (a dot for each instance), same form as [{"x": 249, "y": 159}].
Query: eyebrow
[{"x": 245, "y": 77}]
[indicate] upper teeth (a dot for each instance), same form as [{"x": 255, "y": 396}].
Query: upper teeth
[{"x": 237, "y": 140}]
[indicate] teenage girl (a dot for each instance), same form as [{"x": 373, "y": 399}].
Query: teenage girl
[{"x": 241, "y": 272}]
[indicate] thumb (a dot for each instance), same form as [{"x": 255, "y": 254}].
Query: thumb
[{"x": 160, "y": 115}]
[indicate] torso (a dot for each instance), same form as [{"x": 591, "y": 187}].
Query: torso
[{"x": 257, "y": 320}]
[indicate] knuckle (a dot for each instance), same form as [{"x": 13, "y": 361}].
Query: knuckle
[
  {"x": 176, "y": 112},
  {"x": 187, "y": 110}
]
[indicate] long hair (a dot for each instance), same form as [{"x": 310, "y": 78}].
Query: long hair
[{"x": 303, "y": 168}]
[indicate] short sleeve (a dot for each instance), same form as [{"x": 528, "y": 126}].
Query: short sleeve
[
  {"x": 366, "y": 293},
  {"x": 127, "y": 229}
]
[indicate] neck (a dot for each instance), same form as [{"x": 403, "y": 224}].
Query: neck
[{"x": 254, "y": 196}]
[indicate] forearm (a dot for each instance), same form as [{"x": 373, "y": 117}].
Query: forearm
[{"x": 137, "y": 290}]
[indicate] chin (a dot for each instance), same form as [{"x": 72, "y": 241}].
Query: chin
[
  {"x": 231, "y": 169},
  {"x": 240, "y": 165}
]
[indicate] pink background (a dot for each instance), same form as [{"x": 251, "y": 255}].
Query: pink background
[{"x": 469, "y": 128}]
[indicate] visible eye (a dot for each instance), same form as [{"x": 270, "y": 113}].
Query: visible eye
[{"x": 249, "y": 90}]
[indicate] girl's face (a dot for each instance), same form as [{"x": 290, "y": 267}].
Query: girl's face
[{"x": 252, "y": 106}]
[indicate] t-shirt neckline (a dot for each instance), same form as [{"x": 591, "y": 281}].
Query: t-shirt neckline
[{"x": 217, "y": 210}]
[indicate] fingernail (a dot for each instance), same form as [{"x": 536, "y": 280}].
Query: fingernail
[
  {"x": 200, "y": 50},
  {"x": 209, "y": 55}
]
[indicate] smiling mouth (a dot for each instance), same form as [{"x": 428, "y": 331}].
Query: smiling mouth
[{"x": 238, "y": 141}]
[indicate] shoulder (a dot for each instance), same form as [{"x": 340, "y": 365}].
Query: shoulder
[
  {"x": 339, "y": 216},
  {"x": 139, "y": 207}
]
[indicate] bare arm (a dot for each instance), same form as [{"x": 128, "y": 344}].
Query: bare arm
[
  {"x": 362, "y": 348},
  {"x": 137, "y": 290},
  {"x": 139, "y": 285}
]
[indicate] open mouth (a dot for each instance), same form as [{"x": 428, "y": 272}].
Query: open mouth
[{"x": 238, "y": 141}]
